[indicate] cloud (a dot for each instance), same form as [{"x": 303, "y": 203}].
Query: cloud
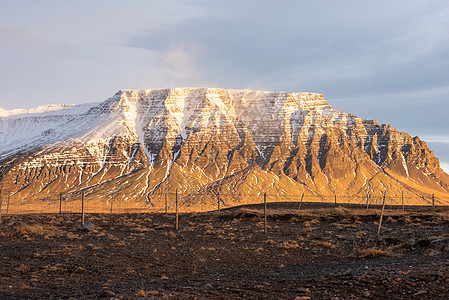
[
  {"x": 59, "y": 51},
  {"x": 180, "y": 65},
  {"x": 347, "y": 48},
  {"x": 19, "y": 39},
  {"x": 437, "y": 139},
  {"x": 385, "y": 60}
]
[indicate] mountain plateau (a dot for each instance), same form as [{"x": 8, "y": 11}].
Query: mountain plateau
[{"x": 206, "y": 143}]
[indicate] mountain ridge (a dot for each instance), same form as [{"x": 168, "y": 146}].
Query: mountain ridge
[{"x": 201, "y": 141}]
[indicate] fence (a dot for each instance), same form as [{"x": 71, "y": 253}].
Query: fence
[{"x": 114, "y": 203}]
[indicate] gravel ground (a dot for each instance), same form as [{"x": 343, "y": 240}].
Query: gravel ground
[{"x": 327, "y": 253}]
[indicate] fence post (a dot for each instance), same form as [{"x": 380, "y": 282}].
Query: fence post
[
  {"x": 7, "y": 205},
  {"x": 1, "y": 202},
  {"x": 367, "y": 201},
  {"x": 82, "y": 207},
  {"x": 112, "y": 202},
  {"x": 300, "y": 202},
  {"x": 177, "y": 217},
  {"x": 433, "y": 200},
  {"x": 60, "y": 203},
  {"x": 381, "y": 213},
  {"x": 218, "y": 204},
  {"x": 166, "y": 203},
  {"x": 265, "y": 213},
  {"x": 403, "y": 205},
  {"x": 335, "y": 196}
]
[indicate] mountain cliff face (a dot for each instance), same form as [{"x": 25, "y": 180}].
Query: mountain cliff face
[{"x": 139, "y": 144}]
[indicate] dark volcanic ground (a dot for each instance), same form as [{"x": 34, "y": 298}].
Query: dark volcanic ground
[{"x": 332, "y": 253}]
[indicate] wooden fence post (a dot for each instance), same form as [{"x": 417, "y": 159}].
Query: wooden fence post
[
  {"x": 433, "y": 200},
  {"x": 403, "y": 204},
  {"x": 177, "y": 216},
  {"x": 265, "y": 213},
  {"x": 112, "y": 202},
  {"x": 382, "y": 213},
  {"x": 335, "y": 196},
  {"x": 218, "y": 204},
  {"x": 166, "y": 203},
  {"x": 7, "y": 204},
  {"x": 1, "y": 202},
  {"x": 367, "y": 201},
  {"x": 82, "y": 207},
  {"x": 60, "y": 203},
  {"x": 300, "y": 202}
]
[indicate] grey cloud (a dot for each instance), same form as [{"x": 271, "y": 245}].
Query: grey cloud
[
  {"x": 378, "y": 59},
  {"x": 385, "y": 61},
  {"x": 285, "y": 49}
]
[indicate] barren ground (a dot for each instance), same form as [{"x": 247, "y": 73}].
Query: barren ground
[{"x": 329, "y": 253}]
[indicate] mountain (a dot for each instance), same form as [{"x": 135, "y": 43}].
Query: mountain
[{"x": 140, "y": 144}]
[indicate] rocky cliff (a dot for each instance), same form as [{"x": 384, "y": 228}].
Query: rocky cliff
[{"x": 139, "y": 144}]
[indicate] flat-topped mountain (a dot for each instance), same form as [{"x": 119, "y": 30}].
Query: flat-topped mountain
[{"x": 139, "y": 144}]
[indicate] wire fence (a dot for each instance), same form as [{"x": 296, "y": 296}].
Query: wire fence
[{"x": 188, "y": 202}]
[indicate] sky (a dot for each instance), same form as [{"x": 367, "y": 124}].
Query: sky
[{"x": 383, "y": 60}]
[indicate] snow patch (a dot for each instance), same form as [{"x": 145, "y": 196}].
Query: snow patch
[{"x": 404, "y": 164}]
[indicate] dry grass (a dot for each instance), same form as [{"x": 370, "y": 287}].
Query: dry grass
[
  {"x": 258, "y": 250},
  {"x": 270, "y": 242},
  {"x": 323, "y": 244},
  {"x": 229, "y": 241},
  {"x": 343, "y": 211},
  {"x": 307, "y": 231},
  {"x": 141, "y": 294},
  {"x": 371, "y": 253},
  {"x": 294, "y": 220},
  {"x": 24, "y": 229},
  {"x": 390, "y": 220},
  {"x": 289, "y": 245},
  {"x": 227, "y": 227}
]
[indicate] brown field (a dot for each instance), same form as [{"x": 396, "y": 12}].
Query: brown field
[{"x": 314, "y": 253}]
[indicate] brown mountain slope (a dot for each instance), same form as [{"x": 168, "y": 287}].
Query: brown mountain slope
[{"x": 139, "y": 144}]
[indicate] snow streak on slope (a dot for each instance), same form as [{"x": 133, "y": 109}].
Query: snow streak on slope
[
  {"x": 27, "y": 130},
  {"x": 22, "y": 130},
  {"x": 195, "y": 137},
  {"x": 152, "y": 116},
  {"x": 48, "y": 110}
]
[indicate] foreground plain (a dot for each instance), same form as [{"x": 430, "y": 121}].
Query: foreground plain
[{"x": 328, "y": 253}]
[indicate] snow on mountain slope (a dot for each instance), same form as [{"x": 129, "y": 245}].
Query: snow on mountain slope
[
  {"x": 144, "y": 142},
  {"x": 24, "y": 129},
  {"x": 48, "y": 110}
]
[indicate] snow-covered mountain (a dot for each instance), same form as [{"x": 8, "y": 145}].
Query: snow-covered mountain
[
  {"x": 22, "y": 129},
  {"x": 140, "y": 143}
]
